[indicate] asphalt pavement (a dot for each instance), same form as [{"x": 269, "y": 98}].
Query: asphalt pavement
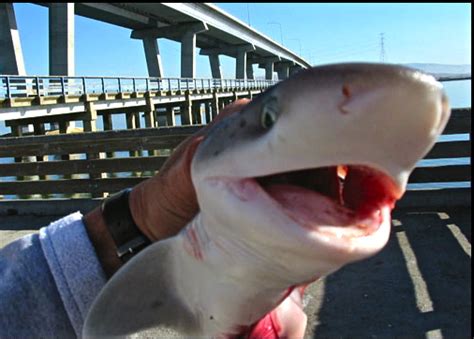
[{"x": 418, "y": 286}]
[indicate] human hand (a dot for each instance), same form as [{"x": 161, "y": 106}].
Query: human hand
[{"x": 162, "y": 205}]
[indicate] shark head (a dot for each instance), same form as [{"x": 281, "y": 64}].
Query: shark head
[{"x": 309, "y": 171}]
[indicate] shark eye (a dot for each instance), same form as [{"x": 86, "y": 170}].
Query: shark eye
[{"x": 269, "y": 114}]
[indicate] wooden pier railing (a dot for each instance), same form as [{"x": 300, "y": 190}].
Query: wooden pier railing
[{"x": 92, "y": 173}]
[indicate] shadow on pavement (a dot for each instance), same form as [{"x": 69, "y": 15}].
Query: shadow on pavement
[{"x": 419, "y": 285}]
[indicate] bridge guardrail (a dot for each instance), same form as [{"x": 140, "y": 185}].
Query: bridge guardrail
[
  {"x": 84, "y": 174},
  {"x": 13, "y": 86}
]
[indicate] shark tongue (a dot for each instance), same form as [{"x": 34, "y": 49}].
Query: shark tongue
[
  {"x": 320, "y": 196},
  {"x": 310, "y": 208}
]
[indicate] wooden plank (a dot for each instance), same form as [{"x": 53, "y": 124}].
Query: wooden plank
[
  {"x": 452, "y": 149},
  {"x": 158, "y": 142},
  {"x": 442, "y": 198},
  {"x": 90, "y": 142},
  {"x": 47, "y": 119},
  {"x": 47, "y": 207},
  {"x": 459, "y": 122},
  {"x": 451, "y": 173},
  {"x": 68, "y": 186},
  {"x": 111, "y": 165}
]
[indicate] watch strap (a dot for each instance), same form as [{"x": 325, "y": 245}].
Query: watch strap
[{"x": 128, "y": 238}]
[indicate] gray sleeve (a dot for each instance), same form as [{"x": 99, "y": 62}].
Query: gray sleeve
[{"x": 48, "y": 281}]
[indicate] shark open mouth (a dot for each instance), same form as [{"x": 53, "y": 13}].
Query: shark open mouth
[{"x": 358, "y": 197}]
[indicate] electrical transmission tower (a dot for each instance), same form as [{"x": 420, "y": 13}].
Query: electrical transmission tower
[{"x": 382, "y": 47}]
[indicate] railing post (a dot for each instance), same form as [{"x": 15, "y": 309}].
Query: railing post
[
  {"x": 37, "y": 86},
  {"x": 63, "y": 91},
  {"x": 7, "y": 79},
  {"x": 103, "y": 85},
  {"x": 119, "y": 85},
  {"x": 84, "y": 85},
  {"x": 169, "y": 84},
  {"x": 147, "y": 84},
  {"x": 134, "y": 85}
]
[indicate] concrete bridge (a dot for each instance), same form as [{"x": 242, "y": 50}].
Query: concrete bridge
[
  {"x": 27, "y": 101},
  {"x": 34, "y": 101},
  {"x": 193, "y": 25}
]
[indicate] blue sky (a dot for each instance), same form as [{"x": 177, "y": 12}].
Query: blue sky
[{"x": 422, "y": 33}]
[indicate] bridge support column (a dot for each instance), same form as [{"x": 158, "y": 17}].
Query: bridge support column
[
  {"x": 250, "y": 70},
  {"x": 188, "y": 50},
  {"x": 149, "y": 111},
  {"x": 11, "y": 55},
  {"x": 269, "y": 70},
  {"x": 149, "y": 115},
  {"x": 223, "y": 102},
  {"x": 197, "y": 118},
  {"x": 185, "y": 32},
  {"x": 216, "y": 69},
  {"x": 170, "y": 117},
  {"x": 283, "y": 70},
  {"x": 215, "y": 105},
  {"x": 107, "y": 121},
  {"x": 61, "y": 39},
  {"x": 241, "y": 68},
  {"x": 269, "y": 65},
  {"x": 90, "y": 118},
  {"x": 153, "y": 57},
  {"x": 187, "y": 111},
  {"x": 40, "y": 130},
  {"x": 108, "y": 126},
  {"x": 207, "y": 110},
  {"x": 133, "y": 122},
  {"x": 89, "y": 123}
]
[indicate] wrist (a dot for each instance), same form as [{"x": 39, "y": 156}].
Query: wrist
[
  {"x": 102, "y": 241},
  {"x": 114, "y": 233}
]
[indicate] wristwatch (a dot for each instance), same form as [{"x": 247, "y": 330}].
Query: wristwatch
[{"x": 128, "y": 238}]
